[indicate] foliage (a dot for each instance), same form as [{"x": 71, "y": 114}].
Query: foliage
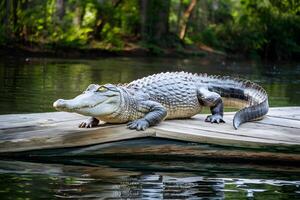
[
  {"x": 38, "y": 21},
  {"x": 268, "y": 28}
]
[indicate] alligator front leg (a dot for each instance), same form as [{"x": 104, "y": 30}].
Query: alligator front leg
[
  {"x": 89, "y": 123},
  {"x": 154, "y": 113},
  {"x": 214, "y": 101}
]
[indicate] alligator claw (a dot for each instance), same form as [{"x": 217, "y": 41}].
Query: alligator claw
[
  {"x": 139, "y": 124},
  {"x": 216, "y": 118},
  {"x": 82, "y": 125},
  {"x": 89, "y": 123}
]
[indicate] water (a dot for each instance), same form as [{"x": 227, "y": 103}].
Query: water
[
  {"x": 32, "y": 86},
  {"x": 136, "y": 179}
]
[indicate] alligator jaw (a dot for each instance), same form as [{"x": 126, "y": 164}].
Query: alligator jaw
[
  {"x": 91, "y": 103},
  {"x": 67, "y": 105}
]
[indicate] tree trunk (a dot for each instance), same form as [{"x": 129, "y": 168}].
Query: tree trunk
[
  {"x": 154, "y": 19},
  {"x": 7, "y": 13},
  {"x": 78, "y": 16},
  {"x": 60, "y": 9},
  {"x": 143, "y": 14},
  {"x": 100, "y": 22},
  {"x": 179, "y": 15},
  {"x": 185, "y": 18},
  {"x": 162, "y": 26},
  {"x": 22, "y": 27},
  {"x": 16, "y": 29}
]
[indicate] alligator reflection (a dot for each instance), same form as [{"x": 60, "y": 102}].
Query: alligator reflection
[
  {"x": 161, "y": 186},
  {"x": 79, "y": 179}
]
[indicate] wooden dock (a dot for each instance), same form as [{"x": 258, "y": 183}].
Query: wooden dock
[{"x": 276, "y": 137}]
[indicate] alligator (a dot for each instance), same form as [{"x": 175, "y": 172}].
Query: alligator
[{"x": 172, "y": 95}]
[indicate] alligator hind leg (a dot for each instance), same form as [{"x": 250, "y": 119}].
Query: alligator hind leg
[
  {"x": 214, "y": 101},
  {"x": 217, "y": 113}
]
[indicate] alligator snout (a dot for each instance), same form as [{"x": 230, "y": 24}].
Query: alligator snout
[{"x": 59, "y": 104}]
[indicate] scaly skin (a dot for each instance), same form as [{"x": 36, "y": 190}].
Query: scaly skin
[{"x": 146, "y": 102}]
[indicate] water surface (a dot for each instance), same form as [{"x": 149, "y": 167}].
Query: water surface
[
  {"x": 136, "y": 179},
  {"x": 33, "y": 86}
]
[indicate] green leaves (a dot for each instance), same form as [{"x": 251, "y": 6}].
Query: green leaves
[{"x": 263, "y": 27}]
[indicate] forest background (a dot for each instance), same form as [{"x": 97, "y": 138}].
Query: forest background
[{"x": 268, "y": 29}]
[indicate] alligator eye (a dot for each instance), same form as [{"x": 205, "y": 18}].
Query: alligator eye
[{"x": 101, "y": 89}]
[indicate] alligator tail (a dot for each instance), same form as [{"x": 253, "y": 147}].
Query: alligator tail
[
  {"x": 250, "y": 113},
  {"x": 258, "y": 104},
  {"x": 252, "y": 98}
]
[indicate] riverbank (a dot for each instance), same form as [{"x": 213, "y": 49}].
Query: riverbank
[{"x": 130, "y": 50}]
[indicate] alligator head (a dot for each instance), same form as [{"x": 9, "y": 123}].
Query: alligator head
[{"x": 95, "y": 101}]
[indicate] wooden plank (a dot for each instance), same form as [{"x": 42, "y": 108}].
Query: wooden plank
[
  {"x": 292, "y": 113},
  {"x": 66, "y": 134},
  {"x": 19, "y": 120},
  {"x": 281, "y": 122},
  {"x": 24, "y": 132},
  {"x": 273, "y": 119},
  {"x": 37, "y": 116},
  {"x": 210, "y": 137},
  {"x": 249, "y": 130}
]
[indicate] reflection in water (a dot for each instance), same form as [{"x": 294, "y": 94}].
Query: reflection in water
[
  {"x": 75, "y": 180},
  {"x": 32, "y": 87}
]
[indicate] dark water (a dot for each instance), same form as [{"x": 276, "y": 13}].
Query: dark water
[
  {"x": 135, "y": 179},
  {"x": 32, "y": 86},
  {"x": 27, "y": 87}
]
